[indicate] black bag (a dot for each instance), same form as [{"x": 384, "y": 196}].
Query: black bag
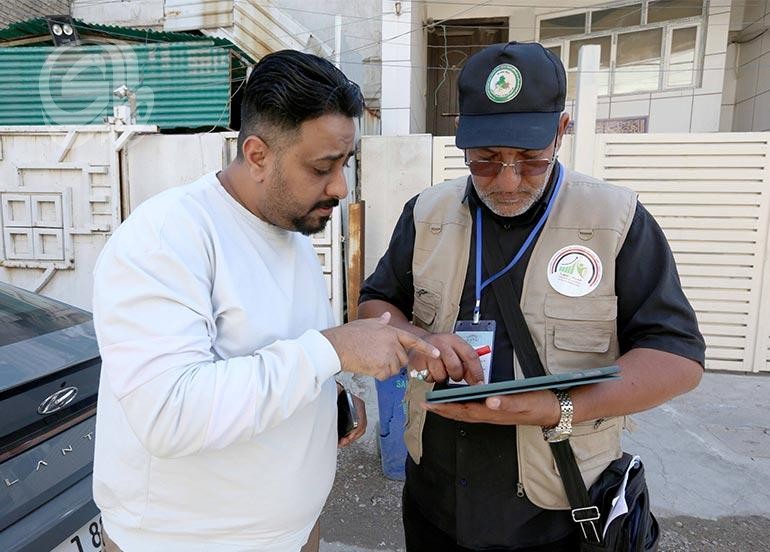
[{"x": 635, "y": 531}]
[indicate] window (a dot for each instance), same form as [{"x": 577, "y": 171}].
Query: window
[
  {"x": 613, "y": 18},
  {"x": 24, "y": 315},
  {"x": 638, "y": 61},
  {"x": 603, "y": 80},
  {"x": 668, "y": 10},
  {"x": 681, "y": 60},
  {"x": 646, "y": 46},
  {"x": 556, "y": 51},
  {"x": 562, "y": 26}
]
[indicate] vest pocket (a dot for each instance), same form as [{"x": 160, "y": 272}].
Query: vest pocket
[
  {"x": 425, "y": 308},
  {"x": 580, "y": 332},
  {"x": 568, "y": 338}
]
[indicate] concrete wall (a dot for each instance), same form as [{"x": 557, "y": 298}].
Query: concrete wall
[
  {"x": 60, "y": 196},
  {"x": 393, "y": 170},
  {"x": 419, "y": 80},
  {"x": 203, "y": 153},
  {"x": 361, "y": 32},
  {"x": 138, "y": 13},
  {"x": 748, "y": 83},
  {"x": 686, "y": 110}
]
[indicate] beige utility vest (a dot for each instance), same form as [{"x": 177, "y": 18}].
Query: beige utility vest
[{"x": 570, "y": 333}]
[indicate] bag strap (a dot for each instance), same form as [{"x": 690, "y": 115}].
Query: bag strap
[{"x": 583, "y": 512}]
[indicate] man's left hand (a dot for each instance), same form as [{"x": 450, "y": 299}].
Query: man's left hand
[
  {"x": 359, "y": 431},
  {"x": 537, "y": 408}
]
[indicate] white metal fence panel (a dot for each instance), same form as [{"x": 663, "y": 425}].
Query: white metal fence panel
[
  {"x": 711, "y": 195},
  {"x": 449, "y": 162}
]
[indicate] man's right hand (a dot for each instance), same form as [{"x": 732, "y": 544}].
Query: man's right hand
[
  {"x": 458, "y": 360},
  {"x": 373, "y": 348}
]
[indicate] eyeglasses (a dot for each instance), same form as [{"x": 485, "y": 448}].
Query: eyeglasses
[{"x": 525, "y": 167}]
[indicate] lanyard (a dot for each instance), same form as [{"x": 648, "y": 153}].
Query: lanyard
[{"x": 530, "y": 238}]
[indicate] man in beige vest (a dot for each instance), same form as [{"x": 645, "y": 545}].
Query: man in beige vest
[{"x": 596, "y": 283}]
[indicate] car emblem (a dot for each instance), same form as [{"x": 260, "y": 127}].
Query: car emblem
[{"x": 58, "y": 400}]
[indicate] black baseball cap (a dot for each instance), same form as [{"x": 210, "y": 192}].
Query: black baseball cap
[{"x": 511, "y": 95}]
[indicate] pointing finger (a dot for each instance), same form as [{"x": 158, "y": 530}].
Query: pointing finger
[
  {"x": 411, "y": 342},
  {"x": 473, "y": 372}
]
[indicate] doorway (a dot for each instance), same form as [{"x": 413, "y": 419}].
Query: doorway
[{"x": 449, "y": 45}]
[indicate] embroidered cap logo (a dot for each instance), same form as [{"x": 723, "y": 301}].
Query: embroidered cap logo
[{"x": 503, "y": 83}]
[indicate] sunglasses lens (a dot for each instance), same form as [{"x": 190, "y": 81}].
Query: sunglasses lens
[
  {"x": 484, "y": 168},
  {"x": 533, "y": 167}
]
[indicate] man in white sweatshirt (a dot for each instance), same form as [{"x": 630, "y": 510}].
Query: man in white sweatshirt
[{"x": 216, "y": 423}]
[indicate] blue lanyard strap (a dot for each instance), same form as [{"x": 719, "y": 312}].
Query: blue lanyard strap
[{"x": 530, "y": 238}]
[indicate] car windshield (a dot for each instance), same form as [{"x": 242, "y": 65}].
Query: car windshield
[{"x": 24, "y": 315}]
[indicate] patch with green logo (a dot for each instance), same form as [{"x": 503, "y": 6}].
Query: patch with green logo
[{"x": 503, "y": 83}]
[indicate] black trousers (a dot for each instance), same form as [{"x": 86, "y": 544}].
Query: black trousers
[{"x": 423, "y": 536}]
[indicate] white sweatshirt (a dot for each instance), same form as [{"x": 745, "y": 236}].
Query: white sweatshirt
[{"x": 216, "y": 423}]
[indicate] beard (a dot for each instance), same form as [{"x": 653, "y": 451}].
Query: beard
[
  {"x": 510, "y": 210},
  {"x": 520, "y": 207},
  {"x": 284, "y": 205},
  {"x": 310, "y": 224}
]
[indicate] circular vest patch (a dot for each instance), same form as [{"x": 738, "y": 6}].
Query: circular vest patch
[
  {"x": 574, "y": 271},
  {"x": 503, "y": 83}
]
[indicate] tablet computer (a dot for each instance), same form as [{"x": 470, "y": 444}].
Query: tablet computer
[{"x": 553, "y": 381}]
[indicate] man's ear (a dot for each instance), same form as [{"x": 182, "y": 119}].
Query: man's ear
[
  {"x": 255, "y": 155},
  {"x": 561, "y": 129}
]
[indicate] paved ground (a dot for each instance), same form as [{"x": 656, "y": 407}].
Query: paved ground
[{"x": 707, "y": 457}]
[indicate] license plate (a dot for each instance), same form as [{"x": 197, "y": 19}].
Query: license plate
[{"x": 87, "y": 539}]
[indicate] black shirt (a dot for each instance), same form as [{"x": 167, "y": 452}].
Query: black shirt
[{"x": 466, "y": 482}]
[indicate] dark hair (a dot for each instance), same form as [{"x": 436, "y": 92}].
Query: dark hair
[{"x": 289, "y": 87}]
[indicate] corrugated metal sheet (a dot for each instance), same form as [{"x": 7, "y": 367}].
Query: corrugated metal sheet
[
  {"x": 179, "y": 84},
  {"x": 39, "y": 27}
]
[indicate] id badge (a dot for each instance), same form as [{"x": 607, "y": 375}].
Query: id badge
[{"x": 480, "y": 336}]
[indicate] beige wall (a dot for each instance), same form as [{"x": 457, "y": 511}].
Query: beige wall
[
  {"x": 687, "y": 110},
  {"x": 138, "y": 13},
  {"x": 393, "y": 170},
  {"x": 748, "y": 84},
  {"x": 60, "y": 195}
]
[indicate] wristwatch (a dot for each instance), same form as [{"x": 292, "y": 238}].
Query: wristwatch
[{"x": 564, "y": 428}]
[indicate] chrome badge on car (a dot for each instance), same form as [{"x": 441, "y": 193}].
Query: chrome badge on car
[{"x": 58, "y": 400}]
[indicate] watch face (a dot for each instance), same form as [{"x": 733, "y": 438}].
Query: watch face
[
  {"x": 555, "y": 435},
  {"x": 559, "y": 437}
]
